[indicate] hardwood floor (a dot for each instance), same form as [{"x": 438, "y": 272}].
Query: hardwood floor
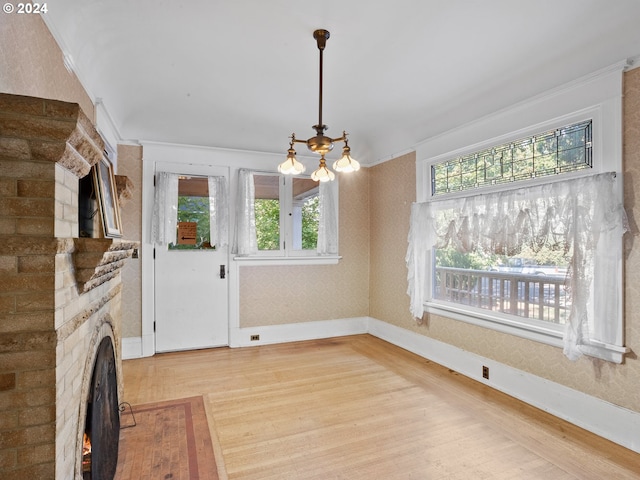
[{"x": 360, "y": 408}]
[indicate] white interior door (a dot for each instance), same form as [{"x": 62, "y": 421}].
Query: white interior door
[{"x": 191, "y": 285}]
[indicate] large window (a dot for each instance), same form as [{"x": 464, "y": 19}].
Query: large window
[
  {"x": 523, "y": 233},
  {"x": 522, "y": 266}
]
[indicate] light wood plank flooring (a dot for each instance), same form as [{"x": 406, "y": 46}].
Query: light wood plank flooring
[{"x": 360, "y": 408}]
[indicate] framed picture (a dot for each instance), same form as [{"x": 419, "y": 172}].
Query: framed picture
[{"x": 107, "y": 198}]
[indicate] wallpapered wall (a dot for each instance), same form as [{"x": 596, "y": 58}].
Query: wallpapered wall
[
  {"x": 130, "y": 165},
  {"x": 617, "y": 384},
  {"x": 288, "y": 294},
  {"x": 32, "y": 63},
  {"x": 374, "y": 222}
]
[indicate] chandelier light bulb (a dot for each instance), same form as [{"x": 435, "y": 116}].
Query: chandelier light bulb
[
  {"x": 345, "y": 163},
  {"x": 291, "y": 166},
  {"x": 323, "y": 174}
]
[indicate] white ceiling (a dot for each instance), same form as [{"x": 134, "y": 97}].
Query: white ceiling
[{"x": 243, "y": 74}]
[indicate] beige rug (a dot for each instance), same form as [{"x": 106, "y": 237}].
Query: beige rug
[{"x": 171, "y": 441}]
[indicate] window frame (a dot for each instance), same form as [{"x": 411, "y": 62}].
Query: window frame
[
  {"x": 581, "y": 100},
  {"x": 286, "y": 255}
]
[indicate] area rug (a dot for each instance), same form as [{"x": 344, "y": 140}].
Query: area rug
[{"x": 170, "y": 441}]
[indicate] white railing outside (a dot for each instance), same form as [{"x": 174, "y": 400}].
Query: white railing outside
[{"x": 543, "y": 297}]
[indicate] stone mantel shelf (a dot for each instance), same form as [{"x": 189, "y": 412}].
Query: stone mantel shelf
[{"x": 98, "y": 260}]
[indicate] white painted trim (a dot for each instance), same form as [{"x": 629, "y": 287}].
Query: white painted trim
[
  {"x": 632, "y": 63},
  {"x": 108, "y": 131},
  {"x": 601, "y": 90},
  {"x": 131, "y": 347},
  {"x": 296, "y": 332},
  {"x": 257, "y": 261},
  {"x": 148, "y": 345},
  {"x": 138, "y": 347},
  {"x": 388, "y": 158},
  {"x": 620, "y": 425}
]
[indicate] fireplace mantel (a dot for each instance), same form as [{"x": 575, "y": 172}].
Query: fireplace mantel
[
  {"x": 98, "y": 260},
  {"x": 61, "y": 294}
]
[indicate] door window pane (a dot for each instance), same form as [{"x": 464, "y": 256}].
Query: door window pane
[{"x": 193, "y": 214}]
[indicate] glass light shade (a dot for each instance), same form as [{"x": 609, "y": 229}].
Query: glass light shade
[
  {"x": 323, "y": 174},
  {"x": 345, "y": 163},
  {"x": 291, "y": 166}
]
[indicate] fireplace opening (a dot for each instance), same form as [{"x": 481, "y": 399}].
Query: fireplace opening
[{"x": 102, "y": 422}]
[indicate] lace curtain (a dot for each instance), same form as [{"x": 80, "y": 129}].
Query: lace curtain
[
  {"x": 165, "y": 209},
  {"x": 328, "y": 222},
  {"x": 219, "y": 211},
  {"x": 245, "y": 241},
  {"x": 584, "y": 216}
]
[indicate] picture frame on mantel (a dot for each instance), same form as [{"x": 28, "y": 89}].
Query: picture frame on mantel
[{"x": 107, "y": 198}]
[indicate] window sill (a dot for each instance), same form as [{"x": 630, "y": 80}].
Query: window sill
[
  {"x": 272, "y": 261},
  {"x": 551, "y": 335}
]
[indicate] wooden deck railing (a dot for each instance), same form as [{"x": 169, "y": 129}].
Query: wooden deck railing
[{"x": 543, "y": 297}]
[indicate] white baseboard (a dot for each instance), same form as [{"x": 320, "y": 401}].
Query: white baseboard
[
  {"x": 138, "y": 347},
  {"x": 605, "y": 419},
  {"x": 131, "y": 347},
  {"x": 295, "y": 332},
  {"x": 148, "y": 344}
]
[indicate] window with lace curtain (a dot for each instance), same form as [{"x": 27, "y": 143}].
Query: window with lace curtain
[
  {"x": 285, "y": 218},
  {"x": 523, "y": 269},
  {"x": 524, "y": 236}
]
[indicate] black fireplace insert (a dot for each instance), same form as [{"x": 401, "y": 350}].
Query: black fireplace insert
[{"x": 102, "y": 424}]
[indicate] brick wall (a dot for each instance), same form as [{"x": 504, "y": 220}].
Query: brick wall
[{"x": 51, "y": 323}]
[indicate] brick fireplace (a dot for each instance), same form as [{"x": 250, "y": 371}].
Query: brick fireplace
[{"x": 60, "y": 295}]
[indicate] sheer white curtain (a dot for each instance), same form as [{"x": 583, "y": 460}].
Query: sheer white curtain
[
  {"x": 165, "y": 209},
  {"x": 218, "y": 211},
  {"x": 583, "y": 216},
  {"x": 245, "y": 241},
  {"x": 328, "y": 222}
]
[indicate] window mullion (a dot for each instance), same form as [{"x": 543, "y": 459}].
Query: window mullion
[{"x": 285, "y": 215}]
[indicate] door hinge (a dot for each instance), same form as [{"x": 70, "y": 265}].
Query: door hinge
[
  {"x": 154, "y": 253},
  {"x": 154, "y": 180},
  {"x": 154, "y": 326}
]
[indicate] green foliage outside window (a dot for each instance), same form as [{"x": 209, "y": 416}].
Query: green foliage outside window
[
  {"x": 310, "y": 220},
  {"x": 546, "y": 256},
  {"x": 194, "y": 209},
  {"x": 267, "y": 223},
  {"x": 267, "y": 213}
]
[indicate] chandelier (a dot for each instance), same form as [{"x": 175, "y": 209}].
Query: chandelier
[{"x": 320, "y": 143}]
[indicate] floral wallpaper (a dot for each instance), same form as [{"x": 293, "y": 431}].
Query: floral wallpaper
[
  {"x": 32, "y": 63},
  {"x": 290, "y": 294},
  {"x": 130, "y": 165}
]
